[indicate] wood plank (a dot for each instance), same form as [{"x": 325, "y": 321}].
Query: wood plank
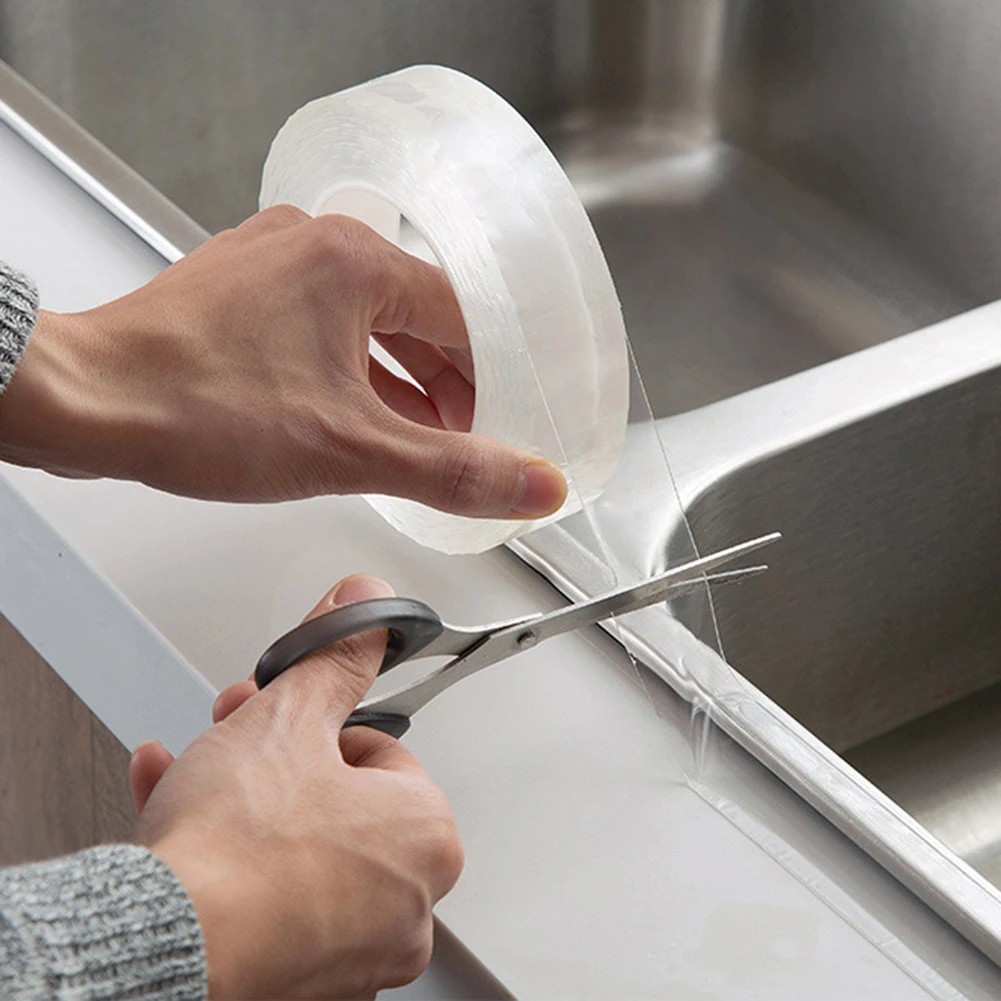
[
  {"x": 63, "y": 776},
  {"x": 114, "y": 815}
]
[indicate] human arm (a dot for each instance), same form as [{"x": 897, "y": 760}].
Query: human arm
[
  {"x": 276, "y": 857},
  {"x": 106, "y": 923},
  {"x": 242, "y": 372}
]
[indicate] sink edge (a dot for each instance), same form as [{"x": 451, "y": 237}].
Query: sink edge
[{"x": 707, "y": 445}]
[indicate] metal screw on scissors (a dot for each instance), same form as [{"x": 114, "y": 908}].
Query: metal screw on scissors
[{"x": 416, "y": 630}]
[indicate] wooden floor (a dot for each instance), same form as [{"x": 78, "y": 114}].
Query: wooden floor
[{"x": 63, "y": 776}]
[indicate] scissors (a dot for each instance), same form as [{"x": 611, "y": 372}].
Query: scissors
[{"x": 415, "y": 629}]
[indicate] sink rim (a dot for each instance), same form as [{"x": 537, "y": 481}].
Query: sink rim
[{"x": 707, "y": 445}]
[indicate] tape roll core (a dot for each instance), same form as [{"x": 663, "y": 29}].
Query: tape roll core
[{"x": 501, "y": 217}]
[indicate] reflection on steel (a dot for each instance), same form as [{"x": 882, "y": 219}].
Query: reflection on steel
[{"x": 882, "y": 604}]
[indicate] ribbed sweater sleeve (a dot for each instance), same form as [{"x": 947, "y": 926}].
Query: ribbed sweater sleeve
[
  {"x": 18, "y": 312},
  {"x": 112, "y": 922}
]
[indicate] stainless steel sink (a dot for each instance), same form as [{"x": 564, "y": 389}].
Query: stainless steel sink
[
  {"x": 779, "y": 184},
  {"x": 808, "y": 334},
  {"x": 879, "y": 625},
  {"x": 884, "y": 601},
  {"x": 799, "y": 202},
  {"x": 865, "y": 663}
]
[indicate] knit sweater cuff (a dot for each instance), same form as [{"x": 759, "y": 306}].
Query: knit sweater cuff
[
  {"x": 112, "y": 922},
  {"x": 18, "y": 312}
]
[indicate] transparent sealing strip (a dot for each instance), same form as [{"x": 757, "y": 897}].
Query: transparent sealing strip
[
  {"x": 635, "y": 530},
  {"x": 487, "y": 196}
]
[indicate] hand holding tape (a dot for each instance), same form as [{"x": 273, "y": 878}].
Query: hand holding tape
[{"x": 501, "y": 217}]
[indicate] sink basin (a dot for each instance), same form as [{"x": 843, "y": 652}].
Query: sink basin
[
  {"x": 742, "y": 277},
  {"x": 879, "y": 625},
  {"x": 776, "y": 186},
  {"x": 788, "y": 207},
  {"x": 884, "y": 602},
  {"x": 865, "y": 667}
]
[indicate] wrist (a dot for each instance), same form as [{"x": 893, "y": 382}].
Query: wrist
[
  {"x": 52, "y": 415},
  {"x": 219, "y": 897}
]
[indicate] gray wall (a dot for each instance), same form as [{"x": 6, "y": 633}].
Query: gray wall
[
  {"x": 191, "y": 92},
  {"x": 889, "y": 108}
]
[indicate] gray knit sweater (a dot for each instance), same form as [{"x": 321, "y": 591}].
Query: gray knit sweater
[
  {"x": 112, "y": 922},
  {"x": 18, "y": 309}
]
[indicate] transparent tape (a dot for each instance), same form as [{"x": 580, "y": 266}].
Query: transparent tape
[
  {"x": 499, "y": 215},
  {"x": 442, "y": 165}
]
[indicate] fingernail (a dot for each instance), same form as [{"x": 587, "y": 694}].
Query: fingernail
[
  {"x": 544, "y": 490},
  {"x": 360, "y": 587}
]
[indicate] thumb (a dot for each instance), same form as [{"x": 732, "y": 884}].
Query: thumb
[
  {"x": 468, "y": 474},
  {"x": 335, "y": 678}
]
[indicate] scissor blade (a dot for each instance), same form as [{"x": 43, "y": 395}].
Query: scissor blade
[
  {"x": 668, "y": 585},
  {"x": 498, "y": 642},
  {"x": 718, "y": 579}
]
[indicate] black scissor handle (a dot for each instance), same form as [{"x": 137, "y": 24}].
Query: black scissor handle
[
  {"x": 412, "y": 626},
  {"x": 392, "y": 723}
]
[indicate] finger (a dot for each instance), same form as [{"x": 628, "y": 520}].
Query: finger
[
  {"x": 230, "y": 699},
  {"x": 334, "y": 680},
  {"x": 403, "y": 397},
  {"x": 462, "y": 359},
  {"x": 149, "y": 762},
  {"x": 416, "y": 298},
  {"x": 446, "y": 387},
  {"x": 461, "y": 473},
  {"x": 364, "y": 747}
]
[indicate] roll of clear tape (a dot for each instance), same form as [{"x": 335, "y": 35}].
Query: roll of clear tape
[{"x": 493, "y": 205}]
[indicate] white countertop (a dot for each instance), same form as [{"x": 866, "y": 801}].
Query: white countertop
[{"x": 594, "y": 867}]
